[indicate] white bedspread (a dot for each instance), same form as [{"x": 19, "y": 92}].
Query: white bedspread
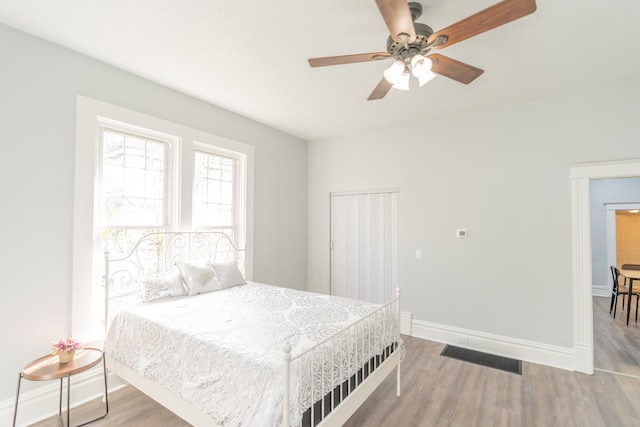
[{"x": 223, "y": 350}]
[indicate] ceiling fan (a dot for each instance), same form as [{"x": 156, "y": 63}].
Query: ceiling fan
[{"x": 409, "y": 43}]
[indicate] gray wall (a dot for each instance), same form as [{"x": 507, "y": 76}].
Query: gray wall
[
  {"x": 601, "y": 191},
  {"x": 39, "y": 82},
  {"x": 504, "y": 174}
]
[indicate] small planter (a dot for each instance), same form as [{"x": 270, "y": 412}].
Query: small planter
[{"x": 66, "y": 357}]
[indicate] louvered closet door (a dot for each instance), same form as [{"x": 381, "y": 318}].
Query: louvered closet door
[{"x": 364, "y": 245}]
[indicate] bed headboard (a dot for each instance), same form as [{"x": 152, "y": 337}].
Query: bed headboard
[{"x": 154, "y": 255}]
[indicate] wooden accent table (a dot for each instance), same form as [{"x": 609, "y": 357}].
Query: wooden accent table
[{"x": 49, "y": 368}]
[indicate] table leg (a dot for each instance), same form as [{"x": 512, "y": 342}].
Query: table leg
[
  {"x": 15, "y": 410},
  {"x": 629, "y": 299},
  {"x": 106, "y": 394},
  {"x": 60, "y": 404},
  {"x": 68, "y": 399}
]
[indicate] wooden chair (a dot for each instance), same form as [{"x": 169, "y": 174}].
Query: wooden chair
[{"x": 624, "y": 291}]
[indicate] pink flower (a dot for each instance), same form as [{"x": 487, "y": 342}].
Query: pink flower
[{"x": 66, "y": 345}]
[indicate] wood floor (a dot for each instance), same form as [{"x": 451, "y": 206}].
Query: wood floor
[
  {"x": 616, "y": 346},
  {"x": 438, "y": 391}
]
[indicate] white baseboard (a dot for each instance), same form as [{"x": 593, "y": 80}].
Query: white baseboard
[
  {"x": 405, "y": 323},
  {"x": 529, "y": 351},
  {"x": 41, "y": 403},
  {"x": 584, "y": 359},
  {"x": 601, "y": 291}
]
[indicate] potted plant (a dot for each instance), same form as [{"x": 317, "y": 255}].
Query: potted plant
[{"x": 65, "y": 349}]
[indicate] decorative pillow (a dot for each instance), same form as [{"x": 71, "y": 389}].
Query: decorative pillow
[
  {"x": 228, "y": 274},
  {"x": 154, "y": 288},
  {"x": 198, "y": 277}
]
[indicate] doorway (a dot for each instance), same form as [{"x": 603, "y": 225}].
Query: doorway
[
  {"x": 623, "y": 233},
  {"x": 615, "y": 241},
  {"x": 580, "y": 176},
  {"x": 364, "y": 245}
]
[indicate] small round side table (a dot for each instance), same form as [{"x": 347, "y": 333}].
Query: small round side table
[{"x": 49, "y": 368}]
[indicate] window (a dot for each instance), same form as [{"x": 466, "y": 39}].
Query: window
[
  {"x": 214, "y": 192},
  {"x": 146, "y": 174},
  {"x": 133, "y": 184}
]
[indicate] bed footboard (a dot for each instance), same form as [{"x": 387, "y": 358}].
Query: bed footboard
[{"x": 342, "y": 371}]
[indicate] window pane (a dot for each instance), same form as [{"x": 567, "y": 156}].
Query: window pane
[
  {"x": 134, "y": 184},
  {"x": 213, "y": 190},
  {"x": 113, "y": 148}
]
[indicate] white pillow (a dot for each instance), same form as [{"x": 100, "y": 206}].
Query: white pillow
[
  {"x": 198, "y": 277},
  {"x": 154, "y": 288},
  {"x": 228, "y": 274}
]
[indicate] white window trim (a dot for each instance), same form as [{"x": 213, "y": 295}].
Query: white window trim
[{"x": 90, "y": 113}]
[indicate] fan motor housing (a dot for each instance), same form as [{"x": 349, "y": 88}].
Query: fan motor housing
[{"x": 419, "y": 45}]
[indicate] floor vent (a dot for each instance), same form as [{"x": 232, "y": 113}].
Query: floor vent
[{"x": 485, "y": 359}]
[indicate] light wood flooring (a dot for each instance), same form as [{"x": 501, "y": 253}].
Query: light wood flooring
[
  {"x": 616, "y": 345},
  {"x": 439, "y": 391}
]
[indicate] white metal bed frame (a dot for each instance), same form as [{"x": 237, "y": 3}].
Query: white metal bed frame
[{"x": 217, "y": 246}]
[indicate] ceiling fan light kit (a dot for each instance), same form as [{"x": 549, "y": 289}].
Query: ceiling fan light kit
[
  {"x": 410, "y": 43},
  {"x": 399, "y": 73},
  {"x": 421, "y": 69},
  {"x": 397, "y": 76}
]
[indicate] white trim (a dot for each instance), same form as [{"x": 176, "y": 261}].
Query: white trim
[
  {"x": 581, "y": 247},
  {"x": 406, "y": 320},
  {"x": 582, "y": 294},
  {"x": 615, "y": 169},
  {"x": 583, "y": 358},
  {"x": 621, "y": 206},
  {"x": 529, "y": 351},
  {"x": 611, "y": 242},
  {"x": 601, "y": 290},
  {"x": 359, "y": 192}
]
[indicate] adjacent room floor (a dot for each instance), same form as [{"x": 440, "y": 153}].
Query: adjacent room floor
[{"x": 616, "y": 345}]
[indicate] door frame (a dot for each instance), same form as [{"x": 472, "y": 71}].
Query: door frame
[{"x": 580, "y": 175}]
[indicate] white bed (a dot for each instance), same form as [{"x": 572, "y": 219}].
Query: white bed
[{"x": 246, "y": 355}]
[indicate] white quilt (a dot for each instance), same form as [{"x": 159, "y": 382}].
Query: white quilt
[{"x": 223, "y": 350}]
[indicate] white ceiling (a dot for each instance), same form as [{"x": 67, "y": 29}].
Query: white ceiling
[{"x": 250, "y": 57}]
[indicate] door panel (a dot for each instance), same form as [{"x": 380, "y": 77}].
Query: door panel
[{"x": 364, "y": 245}]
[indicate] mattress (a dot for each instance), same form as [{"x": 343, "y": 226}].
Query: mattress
[{"x": 222, "y": 350}]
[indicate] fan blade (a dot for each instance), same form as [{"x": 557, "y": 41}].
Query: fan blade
[
  {"x": 491, "y": 17},
  {"x": 348, "y": 59},
  {"x": 397, "y": 16},
  {"x": 381, "y": 90},
  {"x": 453, "y": 69}
]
